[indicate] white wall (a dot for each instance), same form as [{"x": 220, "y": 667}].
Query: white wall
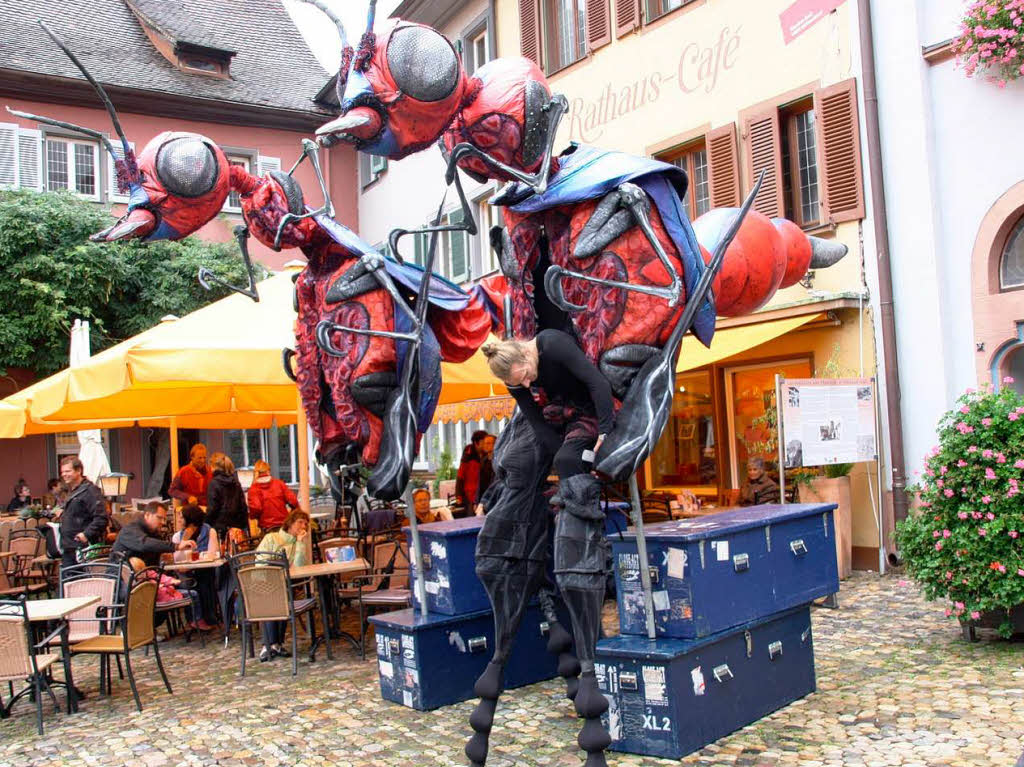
[{"x": 950, "y": 148}]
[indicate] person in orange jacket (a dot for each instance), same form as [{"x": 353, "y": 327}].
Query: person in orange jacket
[{"x": 269, "y": 499}]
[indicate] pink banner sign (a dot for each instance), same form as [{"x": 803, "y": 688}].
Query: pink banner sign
[{"x": 804, "y": 14}]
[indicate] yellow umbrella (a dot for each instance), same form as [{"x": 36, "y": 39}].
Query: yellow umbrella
[{"x": 218, "y": 367}]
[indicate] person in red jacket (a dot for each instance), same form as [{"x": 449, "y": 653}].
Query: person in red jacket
[
  {"x": 270, "y": 499},
  {"x": 475, "y": 471},
  {"x": 190, "y": 483}
]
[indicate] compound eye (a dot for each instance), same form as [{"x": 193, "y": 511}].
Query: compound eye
[
  {"x": 423, "y": 63},
  {"x": 187, "y": 167}
]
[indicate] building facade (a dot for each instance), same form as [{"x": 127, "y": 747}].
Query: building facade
[
  {"x": 238, "y": 73},
  {"x": 954, "y": 183},
  {"x": 725, "y": 90}
]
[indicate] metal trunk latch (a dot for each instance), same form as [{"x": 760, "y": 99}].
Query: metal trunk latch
[
  {"x": 654, "y": 573},
  {"x": 722, "y": 672},
  {"x": 775, "y": 650},
  {"x": 477, "y": 644},
  {"x": 627, "y": 680},
  {"x": 741, "y": 562},
  {"x": 427, "y": 562},
  {"x": 545, "y": 628},
  {"x": 798, "y": 547},
  {"x": 750, "y": 644}
]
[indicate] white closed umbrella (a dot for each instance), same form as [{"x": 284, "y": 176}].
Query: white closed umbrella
[{"x": 90, "y": 451}]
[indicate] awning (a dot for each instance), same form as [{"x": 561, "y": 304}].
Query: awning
[
  {"x": 731, "y": 341},
  {"x": 475, "y": 410}
]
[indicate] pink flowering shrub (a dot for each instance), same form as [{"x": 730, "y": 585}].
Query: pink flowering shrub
[
  {"x": 965, "y": 546},
  {"x": 991, "y": 40}
]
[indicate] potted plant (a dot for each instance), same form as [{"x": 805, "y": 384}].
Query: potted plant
[
  {"x": 991, "y": 40},
  {"x": 963, "y": 544},
  {"x": 444, "y": 482}
]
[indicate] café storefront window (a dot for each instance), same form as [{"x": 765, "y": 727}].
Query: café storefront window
[
  {"x": 750, "y": 390},
  {"x": 686, "y": 455}
]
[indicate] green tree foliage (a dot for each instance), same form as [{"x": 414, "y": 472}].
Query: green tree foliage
[{"x": 51, "y": 274}]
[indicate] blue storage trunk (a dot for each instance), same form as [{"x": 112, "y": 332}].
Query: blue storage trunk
[
  {"x": 429, "y": 662},
  {"x": 714, "y": 572},
  {"x": 449, "y": 567},
  {"x": 670, "y": 697}
]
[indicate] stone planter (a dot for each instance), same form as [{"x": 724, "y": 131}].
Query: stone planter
[
  {"x": 835, "y": 490},
  {"x": 992, "y": 619}
]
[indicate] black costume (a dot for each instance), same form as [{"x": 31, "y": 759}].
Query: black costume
[{"x": 227, "y": 504}]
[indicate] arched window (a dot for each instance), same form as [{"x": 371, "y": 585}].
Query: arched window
[
  {"x": 1015, "y": 368},
  {"x": 1011, "y": 262}
]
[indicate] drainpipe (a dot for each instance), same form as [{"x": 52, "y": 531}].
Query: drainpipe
[{"x": 885, "y": 297}]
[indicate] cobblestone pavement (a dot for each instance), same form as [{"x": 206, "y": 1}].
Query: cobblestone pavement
[{"x": 897, "y": 685}]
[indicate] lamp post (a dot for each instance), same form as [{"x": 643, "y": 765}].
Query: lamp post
[
  {"x": 115, "y": 484},
  {"x": 246, "y": 476}
]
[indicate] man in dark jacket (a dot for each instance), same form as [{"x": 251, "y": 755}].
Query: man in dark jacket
[
  {"x": 139, "y": 538},
  {"x": 84, "y": 519}
]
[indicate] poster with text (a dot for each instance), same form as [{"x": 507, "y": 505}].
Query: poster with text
[{"x": 828, "y": 421}]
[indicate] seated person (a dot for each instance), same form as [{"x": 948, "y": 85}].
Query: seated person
[
  {"x": 197, "y": 530},
  {"x": 759, "y": 487},
  {"x": 208, "y": 546},
  {"x": 290, "y": 539},
  {"x": 168, "y": 590},
  {"x": 421, "y": 505},
  {"x": 139, "y": 538}
]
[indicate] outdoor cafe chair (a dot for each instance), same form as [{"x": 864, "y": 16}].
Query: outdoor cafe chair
[
  {"x": 9, "y": 589},
  {"x": 27, "y": 546},
  {"x": 266, "y": 588},
  {"x": 21, "y": 658},
  {"x": 386, "y": 585},
  {"x": 134, "y": 621}
]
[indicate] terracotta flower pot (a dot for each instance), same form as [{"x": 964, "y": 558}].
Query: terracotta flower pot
[{"x": 835, "y": 490}]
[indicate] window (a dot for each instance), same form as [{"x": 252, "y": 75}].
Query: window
[
  {"x": 565, "y": 32},
  {"x": 73, "y": 164},
  {"x": 656, "y": 8},
  {"x": 370, "y": 168},
  {"x": 457, "y": 249},
  {"x": 234, "y": 202},
  {"x": 245, "y": 446},
  {"x": 421, "y": 245},
  {"x": 1015, "y": 369},
  {"x": 476, "y": 49},
  {"x": 20, "y": 157},
  {"x": 1011, "y": 263},
  {"x": 808, "y": 146},
  {"x": 750, "y": 394},
  {"x": 693, "y": 159},
  {"x": 487, "y": 218},
  {"x": 66, "y": 443},
  {"x": 800, "y": 164},
  {"x": 556, "y": 33},
  {"x": 686, "y": 454}
]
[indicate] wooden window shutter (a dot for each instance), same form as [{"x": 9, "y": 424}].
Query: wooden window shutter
[
  {"x": 723, "y": 167},
  {"x": 627, "y": 16},
  {"x": 763, "y": 151},
  {"x": 529, "y": 29},
  {"x": 8, "y": 155},
  {"x": 599, "y": 24},
  {"x": 458, "y": 249},
  {"x": 839, "y": 149}
]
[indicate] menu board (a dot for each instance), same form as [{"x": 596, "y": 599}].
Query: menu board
[{"x": 829, "y": 420}]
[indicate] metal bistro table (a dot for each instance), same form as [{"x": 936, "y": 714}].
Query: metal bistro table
[
  {"x": 52, "y": 611},
  {"x": 199, "y": 564},
  {"x": 323, "y": 572}
]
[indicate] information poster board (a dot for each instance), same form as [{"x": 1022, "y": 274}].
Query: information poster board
[{"x": 828, "y": 421}]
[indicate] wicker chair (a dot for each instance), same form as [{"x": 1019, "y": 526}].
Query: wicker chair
[
  {"x": 135, "y": 617},
  {"x": 655, "y": 509},
  {"x": 266, "y": 590},
  {"x": 386, "y": 585},
  {"x": 27, "y": 545},
  {"x": 85, "y": 580},
  {"x": 19, "y": 661}
]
